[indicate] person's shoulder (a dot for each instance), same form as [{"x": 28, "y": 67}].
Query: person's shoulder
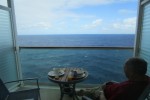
[
  {"x": 119, "y": 85},
  {"x": 124, "y": 84}
]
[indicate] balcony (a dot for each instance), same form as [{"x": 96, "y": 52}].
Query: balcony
[{"x": 102, "y": 63}]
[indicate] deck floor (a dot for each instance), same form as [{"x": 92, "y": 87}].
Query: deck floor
[{"x": 50, "y": 93}]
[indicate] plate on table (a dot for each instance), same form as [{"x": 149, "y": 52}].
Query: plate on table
[
  {"x": 80, "y": 75},
  {"x": 53, "y": 73},
  {"x": 80, "y": 72}
]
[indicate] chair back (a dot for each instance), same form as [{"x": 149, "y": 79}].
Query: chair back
[
  {"x": 146, "y": 93},
  {"x": 3, "y": 91}
]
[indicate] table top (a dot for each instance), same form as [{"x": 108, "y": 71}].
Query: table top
[{"x": 65, "y": 77}]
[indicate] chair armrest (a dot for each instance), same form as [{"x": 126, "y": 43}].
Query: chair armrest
[
  {"x": 145, "y": 95},
  {"x": 86, "y": 98},
  {"x": 27, "y": 79}
]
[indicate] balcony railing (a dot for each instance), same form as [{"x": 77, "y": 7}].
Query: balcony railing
[{"x": 102, "y": 63}]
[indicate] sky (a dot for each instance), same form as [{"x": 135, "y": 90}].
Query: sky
[{"x": 40, "y": 17}]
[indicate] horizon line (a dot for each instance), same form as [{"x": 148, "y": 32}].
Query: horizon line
[{"x": 81, "y": 34}]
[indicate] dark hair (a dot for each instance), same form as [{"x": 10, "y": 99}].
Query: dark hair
[{"x": 138, "y": 65}]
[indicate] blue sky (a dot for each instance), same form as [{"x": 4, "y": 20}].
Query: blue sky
[{"x": 76, "y": 16}]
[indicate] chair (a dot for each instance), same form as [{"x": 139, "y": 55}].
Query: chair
[
  {"x": 5, "y": 94},
  {"x": 144, "y": 96},
  {"x": 86, "y": 98},
  {"x": 146, "y": 93}
]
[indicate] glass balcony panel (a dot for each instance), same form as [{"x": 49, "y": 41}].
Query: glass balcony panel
[{"x": 102, "y": 64}]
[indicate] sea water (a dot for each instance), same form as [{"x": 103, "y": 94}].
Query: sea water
[{"x": 102, "y": 64}]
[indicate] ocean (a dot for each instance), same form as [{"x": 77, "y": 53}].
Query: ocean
[
  {"x": 102, "y": 64},
  {"x": 108, "y": 40}
]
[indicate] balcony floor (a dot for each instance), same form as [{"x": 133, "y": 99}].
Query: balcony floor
[{"x": 51, "y": 93}]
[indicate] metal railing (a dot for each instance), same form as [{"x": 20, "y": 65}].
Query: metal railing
[{"x": 102, "y": 63}]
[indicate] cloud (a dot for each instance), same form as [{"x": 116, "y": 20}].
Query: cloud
[
  {"x": 126, "y": 11},
  {"x": 80, "y": 3},
  {"x": 52, "y": 7},
  {"x": 60, "y": 15},
  {"x": 124, "y": 26},
  {"x": 46, "y": 11},
  {"x": 93, "y": 24},
  {"x": 38, "y": 25},
  {"x": 126, "y": 23},
  {"x": 59, "y": 4},
  {"x": 42, "y": 25}
]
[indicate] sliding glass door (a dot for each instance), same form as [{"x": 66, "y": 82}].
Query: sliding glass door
[
  {"x": 8, "y": 60},
  {"x": 143, "y": 32}
]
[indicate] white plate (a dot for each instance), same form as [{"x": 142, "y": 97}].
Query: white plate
[
  {"x": 80, "y": 72},
  {"x": 52, "y": 73},
  {"x": 81, "y": 76}
]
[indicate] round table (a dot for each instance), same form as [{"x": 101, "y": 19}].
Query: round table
[{"x": 68, "y": 86}]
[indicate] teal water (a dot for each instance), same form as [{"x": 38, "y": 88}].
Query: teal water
[{"x": 103, "y": 65}]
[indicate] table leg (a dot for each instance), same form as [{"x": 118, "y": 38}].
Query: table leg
[
  {"x": 70, "y": 92},
  {"x": 74, "y": 92},
  {"x": 61, "y": 92}
]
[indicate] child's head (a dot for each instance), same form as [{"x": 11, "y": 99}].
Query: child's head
[{"x": 135, "y": 66}]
